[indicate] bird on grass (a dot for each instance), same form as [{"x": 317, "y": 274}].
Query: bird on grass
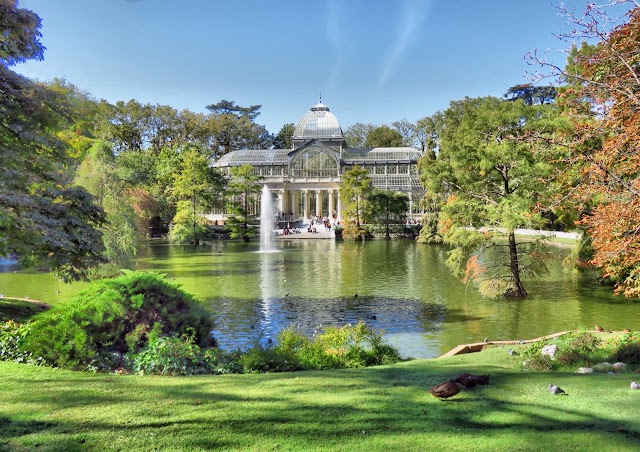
[
  {"x": 445, "y": 390},
  {"x": 635, "y": 385},
  {"x": 599, "y": 329},
  {"x": 486, "y": 340},
  {"x": 556, "y": 390},
  {"x": 512, "y": 352},
  {"x": 469, "y": 381}
]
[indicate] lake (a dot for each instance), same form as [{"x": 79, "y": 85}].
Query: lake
[{"x": 399, "y": 286}]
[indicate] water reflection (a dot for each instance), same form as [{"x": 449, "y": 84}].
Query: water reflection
[{"x": 403, "y": 288}]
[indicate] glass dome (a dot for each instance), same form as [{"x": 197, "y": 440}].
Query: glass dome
[{"x": 317, "y": 123}]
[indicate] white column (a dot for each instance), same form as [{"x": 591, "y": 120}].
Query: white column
[
  {"x": 305, "y": 193},
  {"x": 318, "y": 203},
  {"x": 410, "y": 205},
  {"x": 294, "y": 207},
  {"x": 331, "y": 209},
  {"x": 339, "y": 207},
  {"x": 279, "y": 201}
]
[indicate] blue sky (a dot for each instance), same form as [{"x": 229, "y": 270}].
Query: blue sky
[{"x": 373, "y": 61}]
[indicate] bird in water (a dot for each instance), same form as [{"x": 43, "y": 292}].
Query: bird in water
[
  {"x": 635, "y": 385},
  {"x": 556, "y": 390},
  {"x": 469, "y": 381},
  {"x": 445, "y": 390}
]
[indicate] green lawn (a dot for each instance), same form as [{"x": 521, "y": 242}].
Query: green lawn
[{"x": 383, "y": 408}]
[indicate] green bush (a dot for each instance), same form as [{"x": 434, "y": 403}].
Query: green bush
[
  {"x": 12, "y": 335},
  {"x": 396, "y": 229},
  {"x": 626, "y": 349},
  {"x": 336, "y": 347},
  {"x": 170, "y": 355},
  {"x": 541, "y": 362},
  {"x": 114, "y": 317},
  {"x": 579, "y": 347},
  {"x": 260, "y": 359},
  {"x": 351, "y": 231}
]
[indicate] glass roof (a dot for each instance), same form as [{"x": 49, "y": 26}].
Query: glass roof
[
  {"x": 254, "y": 157},
  {"x": 318, "y": 123},
  {"x": 351, "y": 155},
  {"x": 396, "y": 182}
]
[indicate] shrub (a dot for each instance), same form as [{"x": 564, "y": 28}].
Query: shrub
[
  {"x": 396, "y": 229},
  {"x": 114, "y": 317},
  {"x": 264, "y": 359},
  {"x": 541, "y": 362},
  {"x": 351, "y": 231},
  {"x": 12, "y": 335},
  {"x": 626, "y": 349},
  {"x": 336, "y": 347},
  {"x": 170, "y": 355},
  {"x": 534, "y": 349},
  {"x": 579, "y": 347}
]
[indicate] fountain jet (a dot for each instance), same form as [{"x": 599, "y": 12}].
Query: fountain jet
[{"x": 267, "y": 216}]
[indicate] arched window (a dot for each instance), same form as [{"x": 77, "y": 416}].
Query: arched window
[{"x": 314, "y": 162}]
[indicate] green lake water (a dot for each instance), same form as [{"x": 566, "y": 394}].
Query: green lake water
[{"x": 402, "y": 287}]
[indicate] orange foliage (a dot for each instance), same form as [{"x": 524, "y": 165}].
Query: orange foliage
[
  {"x": 474, "y": 269},
  {"x": 605, "y": 147}
]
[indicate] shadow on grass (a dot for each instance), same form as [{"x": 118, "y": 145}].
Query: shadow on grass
[{"x": 344, "y": 409}]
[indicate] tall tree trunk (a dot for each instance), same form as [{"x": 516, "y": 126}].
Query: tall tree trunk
[
  {"x": 517, "y": 290},
  {"x": 245, "y": 233},
  {"x": 387, "y": 236}
]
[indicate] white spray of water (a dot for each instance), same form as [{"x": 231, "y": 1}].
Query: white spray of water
[{"x": 267, "y": 217}]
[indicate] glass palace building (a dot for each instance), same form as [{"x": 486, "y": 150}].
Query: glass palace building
[{"x": 305, "y": 180}]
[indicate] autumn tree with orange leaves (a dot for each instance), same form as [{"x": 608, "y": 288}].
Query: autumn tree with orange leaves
[
  {"x": 600, "y": 163},
  {"x": 490, "y": 180}
]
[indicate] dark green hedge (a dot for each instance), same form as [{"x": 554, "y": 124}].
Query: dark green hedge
[{"x": 114, "y": 317}]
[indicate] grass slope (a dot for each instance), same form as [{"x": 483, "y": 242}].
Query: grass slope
[{"x": 382, "y": 408}]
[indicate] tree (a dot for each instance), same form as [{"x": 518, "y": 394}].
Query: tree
[
  {"x": 493, "y": 179},
  {"x": 427, "y": 133},
  {"x": 228, "y": 107},
  {"x": 356, "y": 135},
  {"x": 408, "y": 132},
  {"x": 196, "y": 185},
  {"x": 230, "y": 132},
  {"x": 388, "y": 206},
  {"x": 97, "y": 174},
  {"x": 43, "y": 219},
  {"x": 283, "y": 139},
  {"x": 383, "y": 137},
  {"x": 244, "y": 186},
  {"x": 602, "y": 151},
  {"x": 355, "y": 188},
  {"x": 531, "y": 94}
]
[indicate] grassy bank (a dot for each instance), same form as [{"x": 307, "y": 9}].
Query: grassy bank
[{"x": 364, "y": 409}]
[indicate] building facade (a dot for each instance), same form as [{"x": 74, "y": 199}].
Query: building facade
[{"x": 305, "y": 180}]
